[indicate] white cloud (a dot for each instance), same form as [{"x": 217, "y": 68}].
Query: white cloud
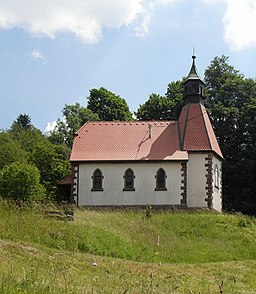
[
  {"x": 50, "y": 127},
  {"x": 36, "y": 54},
  {"x": 214, "y": 1},
  {"x": 165, "y": 1},
  {"x": 85, "y": 18},
  {"x": 142, "y": 27},
  {"x": 146, "y": 14},
  {"x": 240, "y": 24}
]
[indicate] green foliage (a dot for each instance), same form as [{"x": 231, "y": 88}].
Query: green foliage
[
  {"x": 20, "y": 182},
  {"x": 25, "y": 144},
  {"x": 162, "y": 107},
  {"x": 155, "y": 108},
  {"x": 27, "y": 138},
  {"x": 244, "y": 222},
  {"x": 108, "y": 105},
  {"x": 232, "y": 107},
  {"x": 11, "y": 150},
  {"x": 52, "y": 162},
  {"x": 148, "y": 213},
  {"x": 23, "y": 121},
  {"x": 74, "y": 116},
  {"x": 175, "y": 94}
]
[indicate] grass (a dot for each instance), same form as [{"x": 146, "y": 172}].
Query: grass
[
  {"x": 38, "y": 269},
  {"x": 199, "y": 251}
]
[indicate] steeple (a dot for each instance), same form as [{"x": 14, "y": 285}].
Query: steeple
[
  {"x": 195, "y": 129},
  {"x": 193, "y": 86}
]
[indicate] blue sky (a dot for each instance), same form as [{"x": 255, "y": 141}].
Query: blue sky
[{"x": 53, "y": 52}]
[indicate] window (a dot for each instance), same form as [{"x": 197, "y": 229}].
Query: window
[
  {"x": 216, "y": 176},
  {"x": 194, "y": 89},
  {"x": 97, "y": 180},
  {"x": 129, "y": 180},
  {"x": 161, "y": 180}
]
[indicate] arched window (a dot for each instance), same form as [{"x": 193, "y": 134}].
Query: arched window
[
  {"x": 216, "y": 176},
  {"x": 97, "y": 180},
  {"x": 129, "y": 180},
  {"x": 161, "y": 180}
]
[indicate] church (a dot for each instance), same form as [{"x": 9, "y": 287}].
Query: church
[{"x": 158, "y": 163}]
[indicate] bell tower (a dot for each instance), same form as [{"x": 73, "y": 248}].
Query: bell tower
[{"x": 193, "y": 86}]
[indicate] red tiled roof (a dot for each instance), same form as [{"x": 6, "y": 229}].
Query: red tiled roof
[
  {"x": 112, "y": 141},
  {"x": 213, "y": 141},
  {"x": 156, "y": 140},
  {"x": 196, "y": 131}
]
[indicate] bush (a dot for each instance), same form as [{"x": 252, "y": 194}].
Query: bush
[{"x": 20, "y": 181}]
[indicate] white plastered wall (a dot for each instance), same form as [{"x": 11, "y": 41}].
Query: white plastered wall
[
  {"x": 144, "y": 184},
  {"x": 196, "y": 180},
  {"x": 217, "y": 191}
]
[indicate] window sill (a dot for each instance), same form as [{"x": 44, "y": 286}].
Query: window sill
[
  {"x": 160, "y": 189},
  {"x": 128, "y": 189},
  {"x": 96, "y": 190}
]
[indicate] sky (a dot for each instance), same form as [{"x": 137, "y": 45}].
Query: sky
[{"x": 53, "y": 52}]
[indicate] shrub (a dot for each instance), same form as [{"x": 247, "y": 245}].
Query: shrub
[
  {"x": 148, "y": 213},
  {"x": 20, "y": 181}
]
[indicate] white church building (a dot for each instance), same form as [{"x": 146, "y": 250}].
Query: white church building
[{"x": 158, "y": 163}]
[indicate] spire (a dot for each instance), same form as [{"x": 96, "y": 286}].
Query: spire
[
  {"x": 195, "y": 129},
  {"x": 193, "y": 74},
  {"x": 193, "y": 85}
]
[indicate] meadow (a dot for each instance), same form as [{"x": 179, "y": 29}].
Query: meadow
[{"x": 144, "y": 251}]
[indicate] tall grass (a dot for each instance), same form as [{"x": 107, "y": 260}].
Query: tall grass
[
  {"x": 37, "y": 269},
  {"x": 183, "y": 237},
  {"x": 170, "y": 252}
]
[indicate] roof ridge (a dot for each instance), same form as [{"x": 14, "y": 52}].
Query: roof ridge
[
  {"x": 76, "y": 133},
  {"x": 206, "y": 129},
  {"x": 131, "y": 122}
]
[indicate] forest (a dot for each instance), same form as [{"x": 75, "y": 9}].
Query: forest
[{"x": 32, "y": 163}]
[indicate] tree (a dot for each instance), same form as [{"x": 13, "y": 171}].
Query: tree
[
  {"x": 29, "y": 145},
  {"x": 23, "y": 121},
  {"x": 174, "y": 94},
  {"x": 108, "y": 105},
  {"x": 27, "y": 138},
  {"x": 74, "y": 117},
  {"x": 52, "y": 162},
  {"x": 159, "y": 107},
  {"x": 230, "y": 101},
  {"x": 20, "y": 181},
  {"x": 11, "y": 150},
  {"x": 23, "y": 132},
  {"x": 155, "y": 108}
]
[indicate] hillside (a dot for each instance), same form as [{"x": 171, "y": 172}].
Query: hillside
[{"x": 135, "y": 252}]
